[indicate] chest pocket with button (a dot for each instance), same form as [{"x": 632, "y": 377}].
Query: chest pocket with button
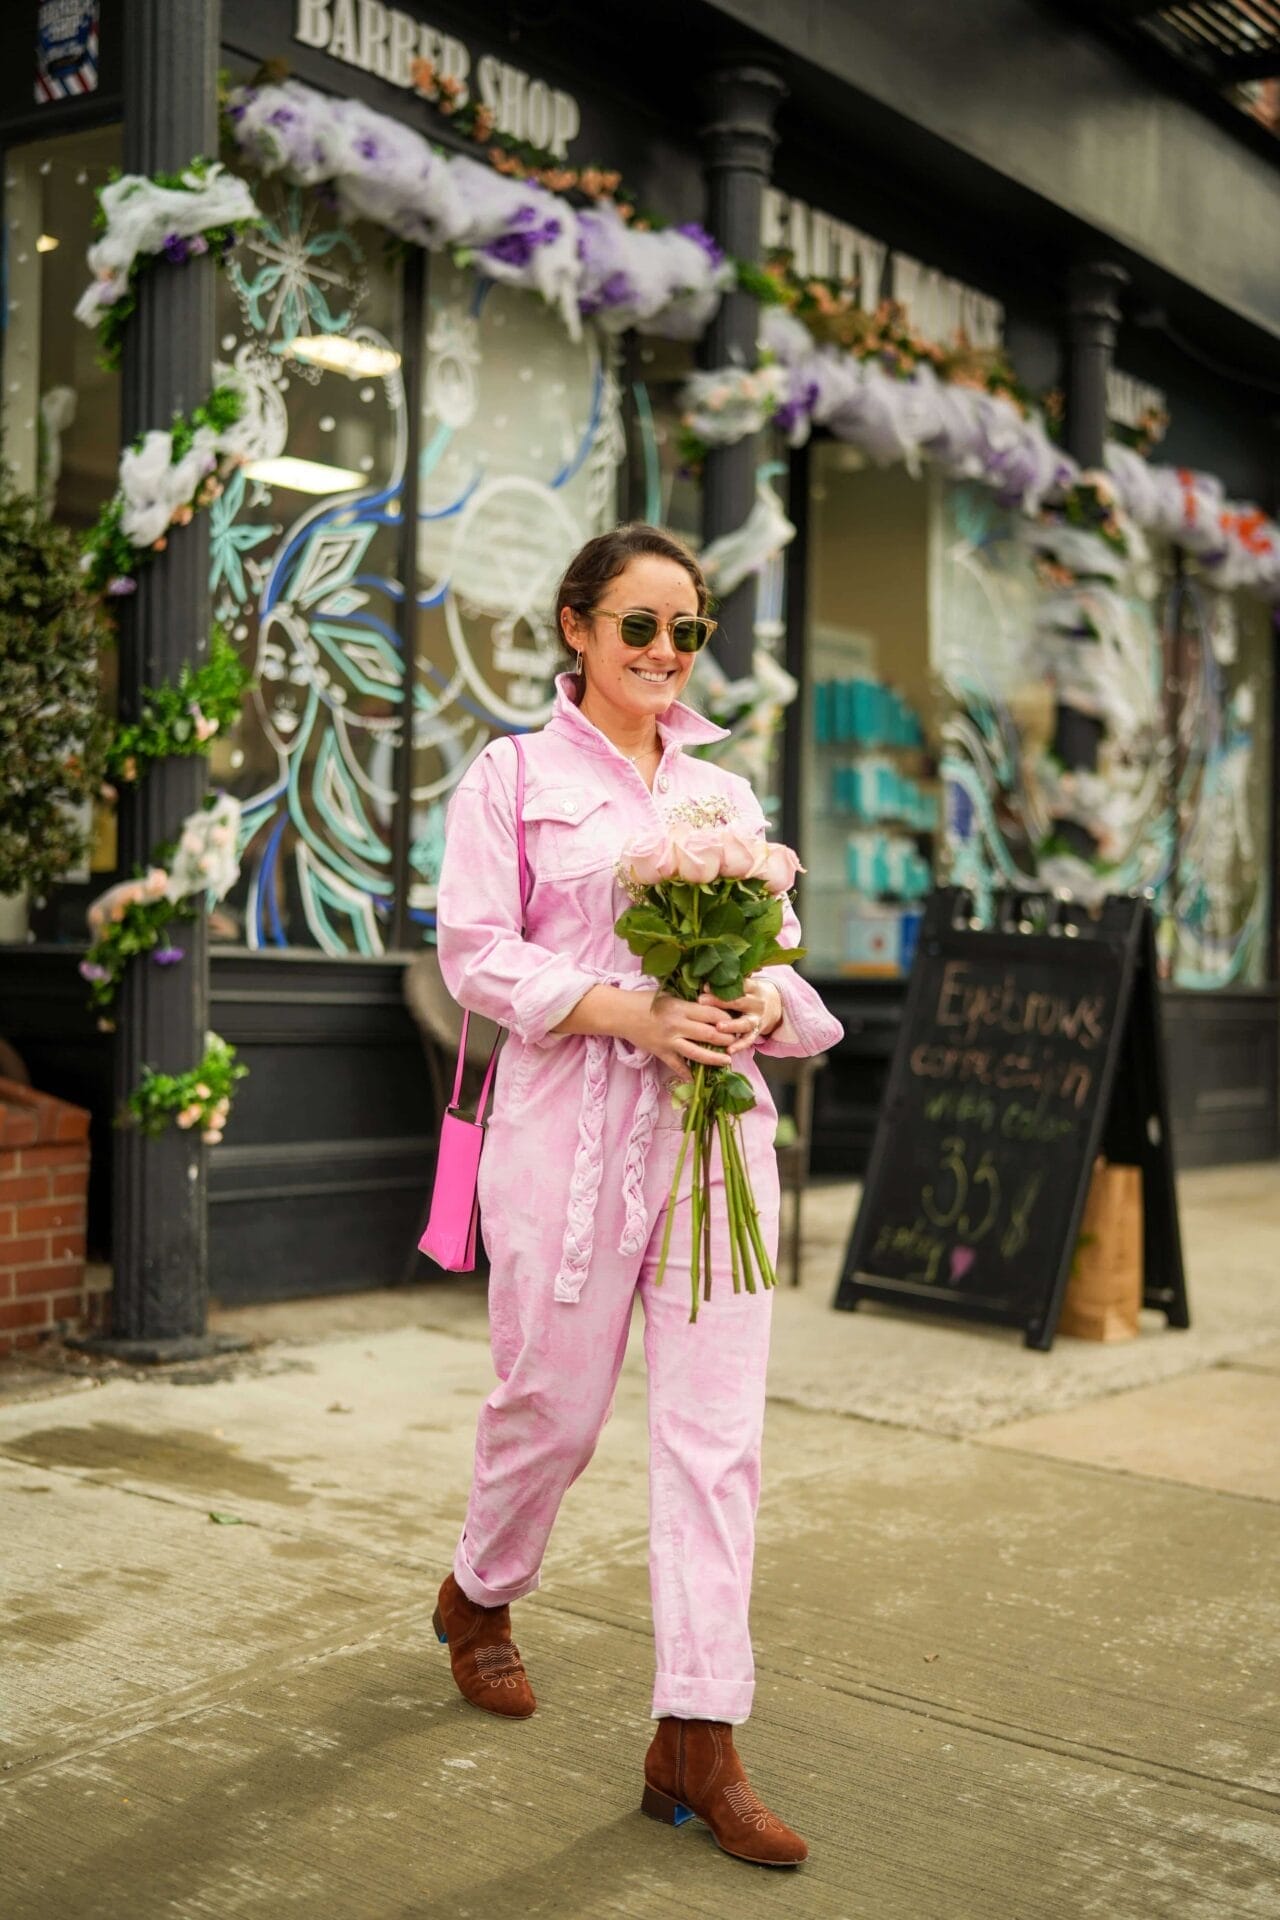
[{"x": 574, "y": 831}]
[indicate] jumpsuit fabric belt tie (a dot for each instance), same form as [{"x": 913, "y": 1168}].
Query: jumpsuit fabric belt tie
[{"x": 588, "y": 1163}]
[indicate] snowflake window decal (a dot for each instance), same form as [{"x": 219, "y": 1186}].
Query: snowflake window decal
[{"x": 289, "y": 273}]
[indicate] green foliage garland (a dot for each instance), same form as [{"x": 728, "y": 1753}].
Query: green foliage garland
[
  {"x": 200, "y": 1097},
  {"x": 185, "y": 718},
  {"x": 52, "y": 738},
  {"x": 142, "y": 928}
]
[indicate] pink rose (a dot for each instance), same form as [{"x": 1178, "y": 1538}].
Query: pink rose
[
  {"x": 698, "y": 855},
  {"x": 741, "y": 854},
  {"x": 780, "y": 868},
  {"x": 650, "y": 858}
]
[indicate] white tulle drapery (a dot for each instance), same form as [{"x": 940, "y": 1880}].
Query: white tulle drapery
[
  {"x": 141, "y": 217},
  {"x": 971, "y": 435},
  {"x": 585, "y": 263}
]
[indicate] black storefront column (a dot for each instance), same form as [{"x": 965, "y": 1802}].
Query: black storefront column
[
  {"x": 737, "y": 142},
  {"x": 1093, "y": 317},
  {"x": 159, "y": 1217}
]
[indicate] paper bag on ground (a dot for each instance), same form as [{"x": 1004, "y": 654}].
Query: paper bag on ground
[{"x": 1104, "y": 1293}]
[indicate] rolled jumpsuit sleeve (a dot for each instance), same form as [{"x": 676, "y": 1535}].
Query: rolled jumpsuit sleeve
[{"x": 487, "y": 963}]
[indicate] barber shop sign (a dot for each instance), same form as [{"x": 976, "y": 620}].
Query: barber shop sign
[{"x": 384, "y": 41}]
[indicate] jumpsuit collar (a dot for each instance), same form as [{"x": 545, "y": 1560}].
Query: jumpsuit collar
[{"x": 679, "y": 726}]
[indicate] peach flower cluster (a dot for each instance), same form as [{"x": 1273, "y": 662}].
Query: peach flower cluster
[{"x": 115, "y": 902}]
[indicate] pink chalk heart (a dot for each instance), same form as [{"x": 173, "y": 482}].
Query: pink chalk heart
[{"x": 962, "y": 1258}]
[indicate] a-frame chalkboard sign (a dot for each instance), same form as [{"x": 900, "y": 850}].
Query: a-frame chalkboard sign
[{"x": 1026, "y": 1049}]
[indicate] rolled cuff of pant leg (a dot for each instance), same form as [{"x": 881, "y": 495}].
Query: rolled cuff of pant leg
[
  {"x": 482, "y": 1595},
  {"x": 682, "y": 1696}
]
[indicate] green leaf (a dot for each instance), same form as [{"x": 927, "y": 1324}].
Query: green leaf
[
  {"x": 226, "y": 1519},
  {"x": 724, "y": 918},
  {"x": 779, "y": 957},
  {"x": 727, "y": 982},
  {"x": 734, "y": 1093},
  {"x": 705, "y": 961},
  {"x": 662, "y": 959},
  {"x": 770, "y": 921},
  {"x": 643, "y": 920}
]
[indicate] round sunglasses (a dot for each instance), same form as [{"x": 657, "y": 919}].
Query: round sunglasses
[{"x": 689, "y": 632}]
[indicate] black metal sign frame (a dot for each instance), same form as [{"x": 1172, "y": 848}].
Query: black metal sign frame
[{"x": 1128, "y": 1120}]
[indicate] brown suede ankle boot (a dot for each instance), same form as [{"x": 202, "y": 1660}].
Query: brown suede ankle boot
[
  {"x": 486, "y": 1664},
  {"x": 692, "y": 1767}
]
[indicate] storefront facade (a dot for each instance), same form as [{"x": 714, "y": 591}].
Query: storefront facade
[{"x": 446, "y": 440}]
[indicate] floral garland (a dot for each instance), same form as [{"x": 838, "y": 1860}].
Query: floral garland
[
  {"x": 508, "y": 222},
  {"x": 165, "y": 477},
  {"x": 141, "y": 219},
  {"x": 892, "y": 403},
  {"x": 182, "y": 719},
  {"x": 200, "y": 1097},
  {"x": 905, "y": 411},
  {"x": 832, "y": 311},
  {"x": 1237, "y": 545},
  {"x": 132, "y": 917}
]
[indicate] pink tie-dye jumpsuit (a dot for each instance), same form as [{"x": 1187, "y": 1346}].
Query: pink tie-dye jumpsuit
[{"x": 574, "y": 1182}]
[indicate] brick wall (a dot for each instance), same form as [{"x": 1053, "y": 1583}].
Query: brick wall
[{"x": 44, "y": 1177}]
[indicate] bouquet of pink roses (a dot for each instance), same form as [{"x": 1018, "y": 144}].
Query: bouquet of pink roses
[{"x": 707, "y": 913}]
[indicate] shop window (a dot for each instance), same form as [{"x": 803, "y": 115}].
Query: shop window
[
  {"x": 936, "y": 665},
  {"x": 521, "y": 442},
  {"x": 61, "y": 412},
  {"x": 869, "y": 786},
  {"x": 663, "y": 489},
  {"x": 304, "y": 573}
]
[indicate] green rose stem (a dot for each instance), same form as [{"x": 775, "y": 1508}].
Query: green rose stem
[
  {"x": 767, "y": 1274},
  {"x": 731, "y": 1203}
]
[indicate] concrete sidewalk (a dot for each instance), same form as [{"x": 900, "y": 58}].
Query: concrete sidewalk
[{"x": 1016, "y": 1621}]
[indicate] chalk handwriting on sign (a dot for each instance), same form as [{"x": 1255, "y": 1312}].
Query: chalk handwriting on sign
[
  {"x": 825, "y": 248},
  {"x": 384, "y": 41}
]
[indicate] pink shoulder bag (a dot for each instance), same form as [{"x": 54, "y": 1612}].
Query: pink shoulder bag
[{"x": 450, "y": 1237}]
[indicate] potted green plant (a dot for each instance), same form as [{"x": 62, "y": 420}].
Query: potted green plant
[{"x": 52, "y": 737}]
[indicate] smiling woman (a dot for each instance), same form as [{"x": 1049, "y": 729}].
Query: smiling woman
[{"x": 584, "y": 1117}]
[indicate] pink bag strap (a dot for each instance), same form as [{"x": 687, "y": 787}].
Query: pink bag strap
[{"x": 523, "y": 869}]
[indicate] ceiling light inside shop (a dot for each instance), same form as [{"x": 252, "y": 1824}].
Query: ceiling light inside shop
[
  {"x": 46, "y": 243},
  {"x": 303, "y": 476},
  {"x": 358, "y": 359}
]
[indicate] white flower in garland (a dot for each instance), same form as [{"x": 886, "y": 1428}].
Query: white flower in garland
[
  {"x": 145, "y": 218},
  {"x": 206, "y": 861},
  {"x": 155, "y": 488},
  {"x": 724, "y": 406}
]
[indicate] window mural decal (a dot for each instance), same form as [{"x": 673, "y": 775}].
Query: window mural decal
[
  {"x": 521, "y": 439},
  {"x": 1178, "y": 671},
  {"x": 292, "y": 271},
  {"x": 303, "y": 565},
  {"x": 1022, "y": 635},
  {"x": 1220, "y": 659},
  {"x": 331, "y": 689}
]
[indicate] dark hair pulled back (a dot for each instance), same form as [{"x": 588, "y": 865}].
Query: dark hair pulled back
[{"x": 603, "y": 559}]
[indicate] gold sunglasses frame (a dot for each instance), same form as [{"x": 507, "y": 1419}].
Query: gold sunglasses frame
[{"x": 619, "y": 614}]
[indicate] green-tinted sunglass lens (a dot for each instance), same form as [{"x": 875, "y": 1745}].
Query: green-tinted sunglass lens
[
  {"x": 638, "y": 629},
  {"x": 690, "y": 633}
]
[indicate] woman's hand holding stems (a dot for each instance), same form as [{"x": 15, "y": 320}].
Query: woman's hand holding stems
[{"x": 706, "y": 1031}]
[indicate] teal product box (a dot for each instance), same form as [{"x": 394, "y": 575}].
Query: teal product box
[{"x": 822, "y": 712}]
